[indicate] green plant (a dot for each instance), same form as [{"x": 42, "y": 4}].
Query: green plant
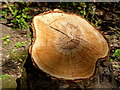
[
  {"x": 6, "y": 40},
  {"x": 29, "y": 35},
  {"x": 19, "y": 14},
  {"x": 19, "y": 45},
  {"x": 13, "y": 50},
  {"x": 4, "y": 15},
  {"x": 116, "y": 55},
  {"x": 25, "y": 42},
  {"x": 4, "y": 76},
  {"x": 20, "y": 18},
  {"x": 111, "y": 59},
  {"x": 82, "y": 9}
]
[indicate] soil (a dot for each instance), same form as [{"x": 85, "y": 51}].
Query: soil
[{"x": 12, "y": 62}]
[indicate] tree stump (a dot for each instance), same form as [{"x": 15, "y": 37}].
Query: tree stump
[{"x": 67, "y": 52}]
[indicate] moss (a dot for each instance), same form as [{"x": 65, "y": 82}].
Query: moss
[{"x": 8, "y": 81}]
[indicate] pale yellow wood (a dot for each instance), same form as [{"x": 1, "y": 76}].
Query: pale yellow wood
[{"x": 66, "y": 45}]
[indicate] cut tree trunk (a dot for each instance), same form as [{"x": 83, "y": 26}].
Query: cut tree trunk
[{"x": 67, "y": 52}]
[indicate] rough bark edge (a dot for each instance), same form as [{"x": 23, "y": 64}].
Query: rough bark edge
[{"x": 99, "y": 59}]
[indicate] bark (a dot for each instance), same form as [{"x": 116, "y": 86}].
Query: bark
[{"x": 33, "y": 78}]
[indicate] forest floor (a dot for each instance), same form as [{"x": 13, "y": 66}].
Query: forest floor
[{"x": 16, "y": 50}]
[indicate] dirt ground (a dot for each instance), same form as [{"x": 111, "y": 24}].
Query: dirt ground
[
  {"x": 13, "y": 57},
  {"x": 12, "y": 61}
]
